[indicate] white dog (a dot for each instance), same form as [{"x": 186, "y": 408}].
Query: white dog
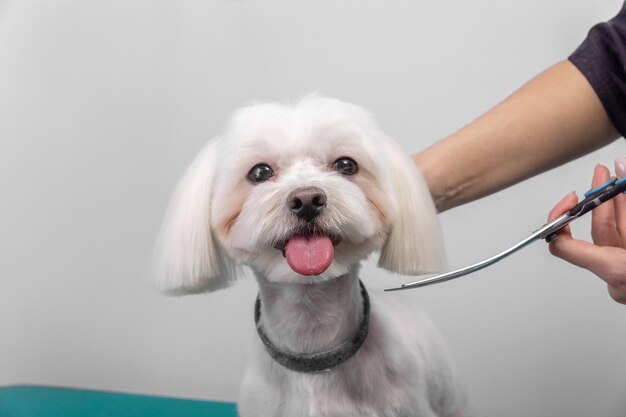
[{"x": 301, "y": 194}]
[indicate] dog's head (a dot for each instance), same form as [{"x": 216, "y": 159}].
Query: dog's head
[{"x": 298, "y": 193}]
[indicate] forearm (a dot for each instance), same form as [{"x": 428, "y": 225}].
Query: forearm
[{"x": 554, "y": 118}]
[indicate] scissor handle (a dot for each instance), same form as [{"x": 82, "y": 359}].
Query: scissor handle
[
  {"x": 593, "y": 198},
  {"x": 596, "y": 196}
]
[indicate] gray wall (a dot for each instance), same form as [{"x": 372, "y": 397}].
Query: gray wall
[{"x": 103, "y": 104}]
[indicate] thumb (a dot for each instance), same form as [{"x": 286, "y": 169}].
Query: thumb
[{"x": 562, "y": 206}]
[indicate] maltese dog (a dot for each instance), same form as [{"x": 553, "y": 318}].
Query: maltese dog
[{"x": 302, "y": 194}]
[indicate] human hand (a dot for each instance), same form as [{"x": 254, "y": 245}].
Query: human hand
[{"x": 606, "y": 256}]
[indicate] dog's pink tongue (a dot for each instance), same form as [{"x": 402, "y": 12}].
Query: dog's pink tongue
[{"x": 309, "y": 255}]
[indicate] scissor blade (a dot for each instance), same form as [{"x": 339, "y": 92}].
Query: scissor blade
[{"x": 542, "y": 233}]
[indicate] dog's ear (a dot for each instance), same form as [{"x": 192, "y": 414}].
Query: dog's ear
[
  {"x": 188, "y": 257},
  {"x": 414, "y": 244}
]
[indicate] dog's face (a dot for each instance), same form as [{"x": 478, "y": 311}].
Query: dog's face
[
  {"x": 298, "y": 193},
  {"x": 301, "y": 194}
]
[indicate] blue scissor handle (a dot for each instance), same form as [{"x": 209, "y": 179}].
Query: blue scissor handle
[
  {"x": 600, "y": 188},
  {"x": 599, "y": 195}
]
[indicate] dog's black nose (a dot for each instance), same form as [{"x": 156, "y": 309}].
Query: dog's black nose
[{"x": 307, "y": 202}]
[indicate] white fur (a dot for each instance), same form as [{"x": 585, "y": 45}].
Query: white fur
[
  {"x": 415, "y": 230},
  {"x": 217, "y": 219},
  {"x": 189, "y": 260}
]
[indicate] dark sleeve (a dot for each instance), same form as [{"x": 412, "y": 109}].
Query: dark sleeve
[{"x": 602, "y": 60}]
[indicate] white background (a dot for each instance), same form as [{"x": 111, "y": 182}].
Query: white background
[{"x": 103, "y": 105}]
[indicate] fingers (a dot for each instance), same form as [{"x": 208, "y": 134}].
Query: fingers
[
  {"x": 580, "y": 253},
  {"x": 607, "y": 257},
  {"x": 620, "y": 201},
  {"x": 618, "y": 292},
  {"x": 620, "y": 167},
  {"x": 603, "y": 225},
  {"x": 606, "y": 262}
]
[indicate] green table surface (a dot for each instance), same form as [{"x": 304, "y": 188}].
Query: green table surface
[{"x": 36, "y": 401}]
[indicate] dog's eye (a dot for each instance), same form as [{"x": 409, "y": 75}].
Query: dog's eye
[
  {"x": 260, "y": 173},
  {"x": 345, "y": 166}
]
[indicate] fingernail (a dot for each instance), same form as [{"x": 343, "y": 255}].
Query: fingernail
[{"x": 620, "y": 167}]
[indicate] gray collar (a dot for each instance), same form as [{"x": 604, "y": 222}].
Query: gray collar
[{"x": 322, "y": 361}]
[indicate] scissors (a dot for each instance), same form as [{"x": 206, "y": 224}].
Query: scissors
[{"x": 548, "y": 232}]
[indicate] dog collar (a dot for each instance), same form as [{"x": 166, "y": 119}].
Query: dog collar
[{"x": 322, "y": 361}]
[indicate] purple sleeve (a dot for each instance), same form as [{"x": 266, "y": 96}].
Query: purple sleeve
[{"x": 602, "y": 60}]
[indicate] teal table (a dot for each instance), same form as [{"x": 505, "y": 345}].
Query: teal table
[{"x": 35, "y": 401}]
